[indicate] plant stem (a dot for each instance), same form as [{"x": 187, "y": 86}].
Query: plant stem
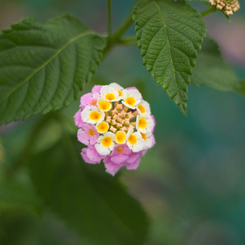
[
  {"x": 128, "y": 41},
  {"x": 123, "y": 28},
  {"x": 109, "y": 17},
  {"x": 114, "y": 39},
  {"x": 209, "y": 11}
]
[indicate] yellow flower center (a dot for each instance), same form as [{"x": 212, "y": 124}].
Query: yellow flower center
[
  {"x": 142, "y": 123},
  {"x": 120, "y": 150},
  {"x": 132, "y": 139},
  {"x": 130, "y": 101},
  {"x": 107, "y": 141},
  {"x": 102, "y": 127},
  {"x": 95, "y": 116},
  {"x": 120, "y": 93},
  {"x": 143, "y": 136},
  {"x": 110, "y": 96},
  {"x": 120, "y": 137},
  {"x": 91, "y": 132},
  {"x": 142, "y": 108},
  {"x": 104, "y": 105}
]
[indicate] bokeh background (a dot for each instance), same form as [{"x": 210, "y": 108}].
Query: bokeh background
[{"x": 192, "y": 182}]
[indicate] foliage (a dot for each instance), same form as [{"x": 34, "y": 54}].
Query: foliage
[
  {"x": 43, "y": 67},
  {"x": 169, "y": 34}
]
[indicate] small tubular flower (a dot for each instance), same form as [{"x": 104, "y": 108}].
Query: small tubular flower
[
  {"x": 143, "y": 107},
  {"x": 92, "y": 115},
  {"x": 119, "y": 88},
  {"x": 89, "y": 99},
  {"x": 109, "y": 93},
  {"x": 105, "y": 144},
  {"x": 144, "y": 123},
  {"x": 116, "y": 125},
  {"x": 132, "y": 98},
  {"x": 102, "y": 127},
  {"x": 87, "y": 134},
  {"x": 120, "y": 137},
  {"x": 135, "y": 141},
  {"x": 103, "y": 104}
]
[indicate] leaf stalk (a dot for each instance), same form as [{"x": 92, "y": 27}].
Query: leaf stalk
[
  {"x": 109, "y": 17},
  {"x": 209, "y": 11}
]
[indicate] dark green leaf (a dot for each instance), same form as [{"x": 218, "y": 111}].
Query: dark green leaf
[
  {"x": 91, "y": 202},
  {"x": 16, "y": 194},
  {"x": 241, "y": 88},
  {"x": 43, "y": 67},
  {"x": 211, "y": 70},
  {"x": 169, "y": 35}
]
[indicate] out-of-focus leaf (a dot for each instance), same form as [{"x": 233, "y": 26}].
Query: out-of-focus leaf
[
  {"x": 169, "y": 35},
  {"x": 91, "y": 202},
  {"x": 19, "y": 227},
  {"x": 17, "y": 194},
  {"x": 211, "y": 70},
  {"x": 241, "y": 88},
  {"x": 44, "y": 67}
]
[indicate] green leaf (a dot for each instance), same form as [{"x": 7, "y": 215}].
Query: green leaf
[
  {"x": 211, "y": 70},
  {"x": 90, "y": 201},
  {"x": 240, "y": 88},
  {"x": 17, "y": 194},
  {"x": 43, "y": 67},
  {"x": 169, "y": 35}
]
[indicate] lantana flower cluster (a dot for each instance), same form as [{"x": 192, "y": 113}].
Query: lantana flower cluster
[
  {"x": 227, "y": 6},
  {"x": 116, "y": 125}
]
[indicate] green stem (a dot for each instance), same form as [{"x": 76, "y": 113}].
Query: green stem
[
  {"x": 109, "y": 17},
  {"x": 209, "y": 11},
  {"x": 114, "y": 39},
  {"x": 123, "y": 28},
  {"x": 128, "y": 41}
]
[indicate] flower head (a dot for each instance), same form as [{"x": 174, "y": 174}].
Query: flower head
[
  {"x": 226, "y": 6},
  {"x": 116, "y": 125}
]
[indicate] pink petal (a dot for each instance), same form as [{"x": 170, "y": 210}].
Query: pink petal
[
  {"x": 96, "y": 89},
  {"x": 154, "y": 122},
  {"x": 78, "y": 120},
  {"x": 94, "y": 138},
  {"x": 142, "y": 153},
  {"x": 119, "y": 158},
  {"x": 85, "y": 99},
  {"x": 85, "y": 157},
  {"x": 153, "y": 140},
  {"x": 134, "y": 165},
  {"x": 112, "y": 168},
  {"x": 133, "y": 157},
  {"x": 83, "y": 137},
  {"x": 93, "y": 155}
]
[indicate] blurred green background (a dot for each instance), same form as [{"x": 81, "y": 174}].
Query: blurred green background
[{"x": 191, "y": 183}]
